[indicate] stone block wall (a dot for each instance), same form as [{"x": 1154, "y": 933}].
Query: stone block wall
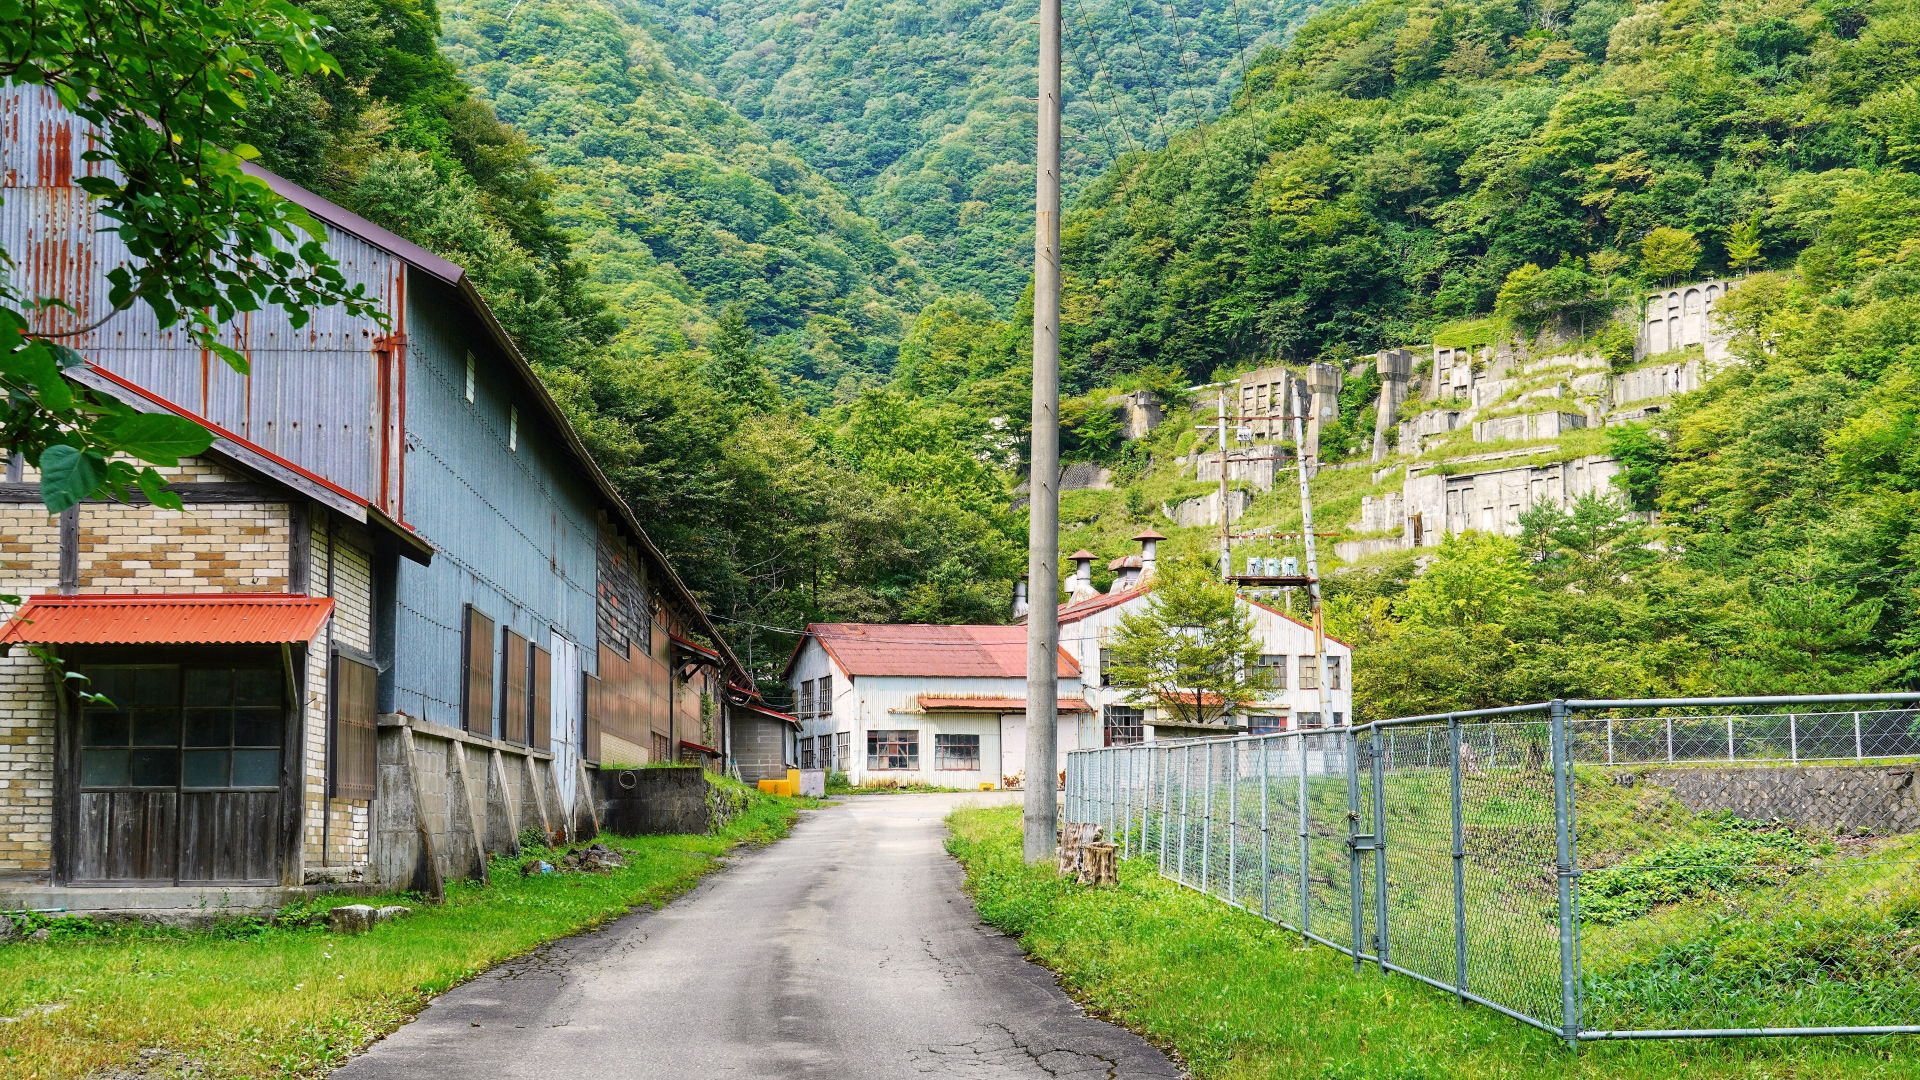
[
  {"x": 26, "y": 769},
  {"x": 1877, "y": 798}
]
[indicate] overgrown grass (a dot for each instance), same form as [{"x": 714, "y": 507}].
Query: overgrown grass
[
  {"x": 1237, "y": 997},
  {"x": 251, "y": 998}
]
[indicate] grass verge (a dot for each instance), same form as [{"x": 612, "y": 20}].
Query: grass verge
[
  {"x": 252, "y": 998},
  {"x": 1239, "y": 998}
]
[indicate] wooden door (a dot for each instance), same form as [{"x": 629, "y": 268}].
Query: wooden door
[{"x": 181, "y": 775}]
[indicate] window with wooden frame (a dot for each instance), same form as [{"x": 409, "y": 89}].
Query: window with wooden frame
[
  {"x": 353, "y": 761},
  {"x": 1309, "y": 672},
  {"x": 513, "y": 687},
  {"x": 540, "y": 703},
  {"x": 476, "y": 667}
]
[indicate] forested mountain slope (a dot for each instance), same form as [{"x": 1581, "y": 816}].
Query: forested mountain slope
[
  {"x": 1391, "y": 167},
  {"x": 680, "y": 206},
  {"x": 925, "y": 112}
]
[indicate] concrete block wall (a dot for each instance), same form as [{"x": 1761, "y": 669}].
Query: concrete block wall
[{"x": 1877, "y": 798}]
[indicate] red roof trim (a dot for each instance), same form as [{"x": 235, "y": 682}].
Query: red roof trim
[
  {"x": 225, "y": 434},
  {"x": 163, "y": 619},
  {"x": 775, "y": 713},
  {"x": 936, "y": 702},
  {"x": 697, "y": 746},
  {"x": 1295, "y": 621},
  {"x": 683, "y": 642}
]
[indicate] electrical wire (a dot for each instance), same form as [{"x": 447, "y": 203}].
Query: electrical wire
[
  {"x": 1093, "y": 76},
  {"x": 1153, "y": 81}
]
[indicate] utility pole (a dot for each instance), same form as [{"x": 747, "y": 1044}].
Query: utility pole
[
  {"x": 1043, "y": 511},
  {"x": 1313, "y": 559},
  {"x": 1226, "y": 544}
]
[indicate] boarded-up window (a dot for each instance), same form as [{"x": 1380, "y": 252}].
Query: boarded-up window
[
  {"x": 355, "y": 755},
  {"x": 662, "y": 748},
  {"x": 540, "y": 705},
  {"x": 590, "y": 717},
  {"x": 624, "y": 611},
  {"x": 476, "y": 665},
  {"x": 513, "y": 686}
]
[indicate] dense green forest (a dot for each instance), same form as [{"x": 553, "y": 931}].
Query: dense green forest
[
  {"x": 701, "y": 223},
  {"x": 925, "y": 113}
]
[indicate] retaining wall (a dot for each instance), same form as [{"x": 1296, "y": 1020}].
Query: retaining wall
[{"x": 1877, "y": 798}]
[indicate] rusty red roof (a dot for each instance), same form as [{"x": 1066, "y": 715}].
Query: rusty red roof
[
  {"x": 995, "y": 704},
  {"x": 930, "y": 649},
  {"x": 223, "y": 619}
]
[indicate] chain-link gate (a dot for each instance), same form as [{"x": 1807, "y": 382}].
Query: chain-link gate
[{"x": 1448, "y": 849}]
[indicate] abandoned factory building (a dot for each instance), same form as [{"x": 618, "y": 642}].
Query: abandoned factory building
[{"x": 402, "y": 617}]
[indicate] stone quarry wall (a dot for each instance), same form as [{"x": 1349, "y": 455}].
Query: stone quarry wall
[{"x": 1877, "y": 798}]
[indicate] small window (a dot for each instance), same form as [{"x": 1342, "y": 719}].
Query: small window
[
  {"x": 476, "y": 688},
  {"x": 1265, "y": 723},
  {"x": 1106, "y": 666},
  {"x": 513, "y": 427},
  {"x": 469, "y": 378},
  {"x": 1125, "y": 725},
  {"x": 956, "y": 753},
  {"x": 1309, "y": 719},
  {"x": 803, "y": 705},
  {"x": 189, "y": 728},
  {"x": 842, "y": 750},
  {"x": 823, "y": 698},
  {"x": 893, "y": 750},
  {"x": 1276, "y": 663},
  {"x": 806, "y": 753},
  {"x": 1333, "y": 673},
  {"x": 1309, "y": 673}
]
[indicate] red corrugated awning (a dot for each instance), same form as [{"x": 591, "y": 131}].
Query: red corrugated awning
[
  {"x": 225, "y": 619},
  {"x": 995, "y": 704}
]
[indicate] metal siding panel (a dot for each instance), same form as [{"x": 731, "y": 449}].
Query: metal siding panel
[{"x": 310, "y": 397}]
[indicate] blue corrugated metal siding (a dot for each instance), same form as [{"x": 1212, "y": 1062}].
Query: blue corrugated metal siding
[{"x": 514, "y": 529}]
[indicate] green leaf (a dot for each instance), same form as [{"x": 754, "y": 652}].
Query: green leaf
[
  {"x": 38, "y": 364},
  {"x": 68, "y": 475},
  {"x": 161, "y": 438},
  {"x": 154, "y": 487}
]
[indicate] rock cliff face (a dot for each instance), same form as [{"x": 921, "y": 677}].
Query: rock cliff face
[{"x": 1850, "y": 798}]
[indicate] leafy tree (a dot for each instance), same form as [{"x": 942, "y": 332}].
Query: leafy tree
[
  {"x": 1644, "y": 453},
  {"x": 1192, "y": 652},
  {"x": 165, "y": 84},
  {"x": 734, "y": 366},
  {"x": 1667, "y": 254},
  {"x": 1591, "y": 546},
  {"x": 1743, "y": 244},
  {"x": 1475, "y": 579}
]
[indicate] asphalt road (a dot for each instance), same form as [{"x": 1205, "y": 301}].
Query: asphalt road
[{"x": 846, "y": 950}]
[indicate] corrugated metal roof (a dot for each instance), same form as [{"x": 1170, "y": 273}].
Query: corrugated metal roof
[
  {"x": 228, "y": 619},
  {"x": 995, "y": 704},
  {"x": 930, "y": 649}
]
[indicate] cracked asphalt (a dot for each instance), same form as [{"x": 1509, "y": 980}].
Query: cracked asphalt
[{"x": 846, "y": 950}]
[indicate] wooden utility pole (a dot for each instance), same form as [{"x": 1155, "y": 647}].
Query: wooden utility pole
[{"x": 1043, "y": 511}]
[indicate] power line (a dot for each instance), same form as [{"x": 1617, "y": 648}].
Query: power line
[
  {"x": 1153, "y": 81},
  {"x": 1092, "y": 77}
]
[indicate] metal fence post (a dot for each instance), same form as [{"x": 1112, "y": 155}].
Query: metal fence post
[
  {"x": 1669, "y": 740},
  {"x": 1729, "y": 736},
  {"x": 1609, "y": 740},
  {"x": 1206, "y": 825},
  {"x": 1352, "y": 742},
  {"x": 1266, "y": 837},
  {"x": 1459, "y": 865},
  {"x": 1793, "y": 739},
  {"x": 1186, "y": 812},
  {"x": 1166, "y": 802},
  {"x": 1233, "y": 816},
  {"x": 1857, "y": 755},
  {"x": 1379, "y": 744},
  {"x": 1563, "y": 870},
  {"x": 1306, "y": 838}
]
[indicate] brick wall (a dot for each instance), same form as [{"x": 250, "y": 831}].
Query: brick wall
[
  {"x": 26, "y": 768},
  {"x": 208, "y": 547},
  {"x": 338, "y": 832}
]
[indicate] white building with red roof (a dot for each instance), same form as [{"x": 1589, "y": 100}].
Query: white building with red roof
[
  {"x": 1090, "y": 619},
  {"x": 924, "y": 704}
]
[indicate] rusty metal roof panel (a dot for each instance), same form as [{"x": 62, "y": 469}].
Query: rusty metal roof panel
[
  {"x": 225, "y": 619},
  {"x": 928, "y": 649}
]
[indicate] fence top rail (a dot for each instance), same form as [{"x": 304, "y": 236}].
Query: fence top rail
[
  {"x": 1791, "y": 699},
  {"x": 1463, "y": 714}
]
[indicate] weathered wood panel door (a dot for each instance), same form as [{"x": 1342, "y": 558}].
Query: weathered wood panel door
[{"x": 180, "y": 775}]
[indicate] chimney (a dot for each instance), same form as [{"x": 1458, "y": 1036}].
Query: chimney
[
  {"x": 1080, "y": 585},
  {"x": 1020, "y": 597},
  {"x": 1149, "y": 545}
]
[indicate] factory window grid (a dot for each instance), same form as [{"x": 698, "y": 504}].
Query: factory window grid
[
  {"x": 893, "y": 750},
  {"x": 956, "y": 753}
]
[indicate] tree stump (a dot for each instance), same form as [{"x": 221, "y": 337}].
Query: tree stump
[
  {"x": 1097, "y": 865},
  {"x": 1074, "y": 837}
]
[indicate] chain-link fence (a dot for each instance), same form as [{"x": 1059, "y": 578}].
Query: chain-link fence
[{"x": 1448, "y": 849}]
